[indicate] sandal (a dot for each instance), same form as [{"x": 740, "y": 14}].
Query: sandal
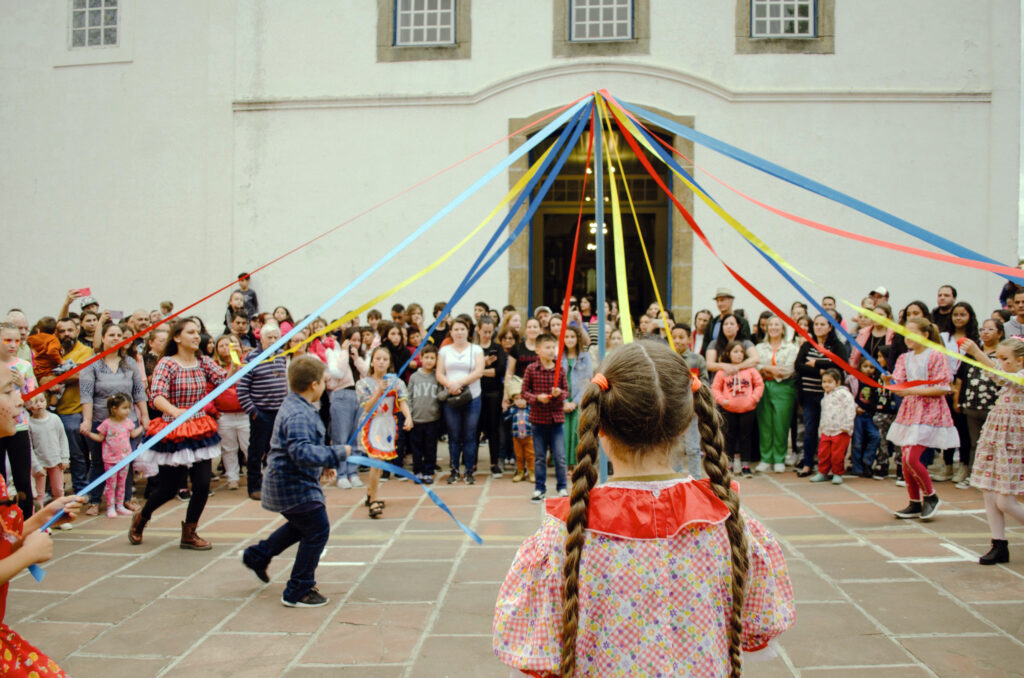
[
  {"x": 376, "y": 509},
  {"x": 370, "y": 503}
]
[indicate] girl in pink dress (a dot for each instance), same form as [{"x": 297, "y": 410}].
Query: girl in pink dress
[
  {"x": 654, "y": 573},
  {"x": 999, "y": 455},
  {"x": 923, "y": 419}
]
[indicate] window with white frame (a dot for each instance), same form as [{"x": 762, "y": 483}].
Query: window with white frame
[
  {"x": 601, "y": 20},
  {"x": 424, "y": 22},
  {"x": 782, "y": 18},
  {"x": 94, "y": 23}
]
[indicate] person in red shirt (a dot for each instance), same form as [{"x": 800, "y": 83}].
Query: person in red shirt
[
  {"x": 737, "y": 395},
  {"x": 544, "y": 388}
]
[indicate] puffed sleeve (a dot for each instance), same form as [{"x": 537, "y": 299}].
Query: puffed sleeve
[
  {"x": 768, "y": 607},
  {"x": 527, "y": 630},
  {"x": 215, "y": 374},
  {"x": 160, "y": 382}
]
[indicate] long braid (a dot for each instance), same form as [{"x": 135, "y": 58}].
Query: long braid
[
  {"x": 716, "y": 465},
  {"x": 584, "y": 477}
]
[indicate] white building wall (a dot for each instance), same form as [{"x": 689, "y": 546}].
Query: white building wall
[{"x": 213, "y": 151}]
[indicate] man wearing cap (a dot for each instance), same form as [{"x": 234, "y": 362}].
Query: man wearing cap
[
  {"x": 723, "y": 299},
  {"x": 879, "y": 294},
  {"x": 543, "y": 316}
]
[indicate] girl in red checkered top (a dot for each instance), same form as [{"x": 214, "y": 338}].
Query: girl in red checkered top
[{"x": 652, "y": 573}]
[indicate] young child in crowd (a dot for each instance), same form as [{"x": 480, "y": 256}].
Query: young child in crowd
[
  {"x": 865, "y": 433},
  {"x": 518, "y": 415},
  {"x": 426, "y": 415},
  {"x": 681, "y": 340},
  {"x": 688, "y": 606},
  {"x": 737, "y": 394},
  {"x": 885, "y": 413},
  {"x": 378, "y": 436},
  {"x": 544, "y": 388},
  {"x": 45, "y": 347},
  {"x": 116, "y": 432},
  {"x": 835, "y": 427},
  {"x": 924, "y": 419},
  {"x": 999, "y": 455},
  {"x": 50, "y": 451},
  {"x": 291, "y": 485}
]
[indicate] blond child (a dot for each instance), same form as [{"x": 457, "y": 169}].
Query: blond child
[{"x": 50, "y": 452}]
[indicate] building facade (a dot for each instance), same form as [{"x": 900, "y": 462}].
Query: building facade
[{"x": 153, "y": 150}]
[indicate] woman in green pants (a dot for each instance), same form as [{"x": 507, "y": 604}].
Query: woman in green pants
[{"x": 776, "y": 356}]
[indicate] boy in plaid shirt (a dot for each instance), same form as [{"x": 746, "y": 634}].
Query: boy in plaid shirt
[
  {"x": 544, "y": 388},
  {"x": 291, "y": 485}
]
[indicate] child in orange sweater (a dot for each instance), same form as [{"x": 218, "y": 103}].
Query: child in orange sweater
[{"x": 737, "y": 393}]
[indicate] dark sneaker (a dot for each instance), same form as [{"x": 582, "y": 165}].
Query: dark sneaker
[
  {"x": 929, "y": 505},
  {"x": 428, "y": 480},
  {"x": 470, "y": 480},
  {"x": 311, "y": 599},
  {"x": 496, "y": 471},
  {"x": 184, "y": 495},
  {"x": 453, "y": 477},
  {"x": 913, "y": 510},
  {"x": 260, "y": 572},
  {"x": 747, "y": 473}
]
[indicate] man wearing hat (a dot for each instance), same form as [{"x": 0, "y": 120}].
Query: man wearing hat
[
  {"x": 723, "y": 299},
  {"x": 543, "y": 316}
]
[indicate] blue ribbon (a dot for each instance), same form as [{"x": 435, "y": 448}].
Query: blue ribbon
[
  {"x": 551, "y": 127},
  {"x": 667, "y": 158},
  {"x": 805, "y": 183}
]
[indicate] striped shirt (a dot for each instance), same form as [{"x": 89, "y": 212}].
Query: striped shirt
[{"x": 266, "y": 386}]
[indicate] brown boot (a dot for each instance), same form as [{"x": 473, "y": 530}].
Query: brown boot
[
  {"x": 191, "y": 540},
  {"x": 136, "y": 528}
]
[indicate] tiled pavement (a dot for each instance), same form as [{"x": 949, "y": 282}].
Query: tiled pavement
[{"x": 412, "y": 597}]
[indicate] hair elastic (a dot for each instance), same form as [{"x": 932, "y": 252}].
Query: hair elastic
[
  {"x": 695, "y": 383},
  {"x": 601, "y": 381}
]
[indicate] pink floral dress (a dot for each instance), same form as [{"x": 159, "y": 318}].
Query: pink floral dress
[
  {"x": 923, "y": 420},
  {"x": 654, "y": 594},
  {"x": 999, "y": 456}
]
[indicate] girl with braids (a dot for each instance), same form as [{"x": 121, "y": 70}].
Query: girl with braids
[{"x": 614, "y": 567}]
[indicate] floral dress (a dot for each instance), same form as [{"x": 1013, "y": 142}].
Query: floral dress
[
  {"x": 654, "y": 592},
  {"x": 378, "y": 435},
  {"x": 999, "y": 456},
  {"x": 923, "y": 420},
  {"x": 18, "y": 658}
]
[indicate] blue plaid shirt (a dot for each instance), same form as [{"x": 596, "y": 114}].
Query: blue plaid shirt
[{"x": 297, "y": 456}]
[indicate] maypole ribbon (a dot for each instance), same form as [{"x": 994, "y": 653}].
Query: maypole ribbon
[
  {"x": 245, "y": 369},
  {"x": 643, "y": 245},
  {"x": 807, "y": 184},
  {"x": 127, "y": 340},
  {"x": 474, "y": 275},
  {"x": 618, "y": 247}
]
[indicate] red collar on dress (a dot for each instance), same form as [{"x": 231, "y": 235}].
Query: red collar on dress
[{"x": 656, "y": 512}]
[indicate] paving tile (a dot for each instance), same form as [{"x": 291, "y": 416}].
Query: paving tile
[
  {"x": 22, "y": 604},
  {"x": 370, "y": 634},
  {"x": 265, "y": 613},
  {"x": 775, "y": 506},
  {"x": 857, "y": 638},
  {"x": 403, "y": 582},
  {"x": 1009, "y": 616},
  {"x": 70, "y": 574},
  {"x": 485, "y": 564},
  {"x": 915, "y": 545},
  {"x": 58, "y": 639},
  {"x": 914, "y": 608},
  {"x": 110, "y": 600},
  {"x": 234, "y": 656},
  {"x": 766, "y": 668},
  {"x": 971, "y": 582},
  {"x": 175, "y": 561},
  {"x": 475, "y": 658},
  {"x": 808, "y": 585},
  {"x": 425, "y": 547},
  {"x": 303, "y": 671},
  {"x": 805, "y": 527},
  {"x": 854, "y": 562},
  {"x": 989, "y": 657},
  {"x": 112, "y": 667},
  {"x": 911, "y": 671},
  {"x": 856, "y": 514},
  {"x": 224, "y": 578},
  {"x": 166, "y": 627},
  {"x": 467, "y": 608},
  {"x": 510, "y": 508}
]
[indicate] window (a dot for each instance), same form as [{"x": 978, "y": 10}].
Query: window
[
  {"x": 782, "y": 19},
  {"x": 424, "y": 22},
  {"x": 602, "y": 20},
  {"x": 94, "y": 23}
]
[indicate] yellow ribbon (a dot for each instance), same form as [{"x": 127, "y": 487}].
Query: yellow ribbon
[
  {"x": 761, "y": 245},
  {"x": 518, "y": 188},
  {"x": 625, "y": 320}
]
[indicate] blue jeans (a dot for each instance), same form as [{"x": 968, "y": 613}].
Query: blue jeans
[
  {"x": 692, "y": 452},
  {"x": 811, "y": 408},
  {"x": 345, "y": 413},
  {"x": 96, "y": 468},
  {"x": 548, "y": 437},
  {"x": 865, "y": 443},
  {"x": 462, "y": 440},
  {"x": 78, "y": 449},
  {"x": 310, "y": 529}
]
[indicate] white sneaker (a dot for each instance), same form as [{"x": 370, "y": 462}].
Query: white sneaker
[
  {"x": 65, "y": 526},
  {"x": 537, "y": 497},
  {"x": 779, "y": 468},
  {"x": 356, "y": 482},
  {"x": 737, "y": 466},
  {"x": 790, "y": 458},
  {"x": 563, "y": 493},
  {"x": 763, "y": 467},
  {"x": 343, "y": 483}
]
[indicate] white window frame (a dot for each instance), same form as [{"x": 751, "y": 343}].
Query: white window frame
[
  {"x": 601, "y": 8},
  {"x": 85, "y": 12},
  {"x": 424, "y": 11},
  {"x": 768, "y": 18}
]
